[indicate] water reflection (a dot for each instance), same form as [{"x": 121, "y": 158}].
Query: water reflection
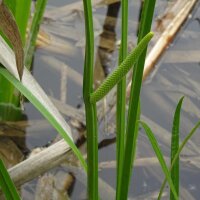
[{"x": 107, "y": 44}]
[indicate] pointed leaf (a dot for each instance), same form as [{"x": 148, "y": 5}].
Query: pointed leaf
[
  {"x": 6, "y": 184},
  {"x": 34, "y": 29},
  {"x": 34, "y": 93},
  {"x": 159, "y": 155},
  {"x": 178, "y": 153},
  {"x": 175, "y": 147}
]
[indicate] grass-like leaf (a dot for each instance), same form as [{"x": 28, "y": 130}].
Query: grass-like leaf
[
  {"x": 121, "y": 99},
  {"x": 188, "y": 137},
  {"x": 6, "y": 184},
  {"x": 159, "y": 155},
  {"x": 11, "y": 5},
  {"x": 9, "y": 103},
  {"x": 22, "y": 14},
  {"x": 131, "y": 129},
  {"x": 34, "y": 93},
  {"x": 32, "y": 36},
  {"x": 175, "y": 147}
]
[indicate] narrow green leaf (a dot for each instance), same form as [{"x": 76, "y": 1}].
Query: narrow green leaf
[
  {"x": 177, "y": 155},
  {"x": 22, "y": 14},
  {"x": 145, "y": 27},
  {"x": 6, "y": 184},
  {"x": 11, "y": 5},
  {"x": 5, "y": 188},
  {"x": 9, "y": 103},
  {"x": 89, "y": 51},
  {"x": 34, "y": 93},
  {"x": 121, "y": 99},
  {"x": 159, "y": 155},
  {"x": 44, "y": 105},
  {"x": 32, "y": 36},
  {"x": 175, "y": 147}
]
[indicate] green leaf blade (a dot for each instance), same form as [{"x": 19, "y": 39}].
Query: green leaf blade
[
  {"x": 188, "y": 137},
  {"x": 121, "y": 99},
  {"x": 38, "y": 98},
  {"x": 29, "y": 87},
  {"x": 175, "y": 147},
  {"x": 6, "y": 184},
  {"x": 131, "y": 129},
  {"x": 32, "y": 36},
  {"x": 159, "y": 155},
  {"x": 22, "y": 14}
]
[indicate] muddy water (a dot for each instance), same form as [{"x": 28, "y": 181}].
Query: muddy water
[{"x": 176, "y": 74}]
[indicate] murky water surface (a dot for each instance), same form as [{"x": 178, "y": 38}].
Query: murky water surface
[{"x": 58, "y": 68}]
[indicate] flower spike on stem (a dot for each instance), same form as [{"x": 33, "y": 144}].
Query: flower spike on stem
[{"x": 120, "y": 71}]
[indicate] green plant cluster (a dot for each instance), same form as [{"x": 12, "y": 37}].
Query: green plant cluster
[{"x": 127, "y": 131}]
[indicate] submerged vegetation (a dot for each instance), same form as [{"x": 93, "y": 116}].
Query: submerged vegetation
[{"x": 127, "y": 127}]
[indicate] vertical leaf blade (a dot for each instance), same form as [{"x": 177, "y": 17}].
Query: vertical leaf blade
[
  {"x": 22, "y": 13},
  {"x": 121, "y": 99},
  {"x": 145, "y": 26},
  {"x": 9, "y": 103},
  {"x": 32, "y": 36},
  {"x": 178, "y": 153},
  {"x": 11, "y": 5},
  {"x": 174, "y": 148},
  {"x": 6, "y": 184},
  {"x": 159, "y": 155}
]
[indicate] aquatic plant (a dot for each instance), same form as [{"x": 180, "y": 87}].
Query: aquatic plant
[
  {"x": 33, "y": 92},
  {"x": 19, "y": 14},
  {"x": 127, "y": 131},
  {"x": 126, "y": 140}
]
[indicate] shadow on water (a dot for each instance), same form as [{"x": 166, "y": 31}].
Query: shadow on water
[{"x": 60, "y": 58}]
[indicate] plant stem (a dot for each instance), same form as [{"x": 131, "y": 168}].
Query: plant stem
[
  {"x": 121, "y": 99},
  {"x": 92, "y": 151},
  {"x": 90, "y": 108}
]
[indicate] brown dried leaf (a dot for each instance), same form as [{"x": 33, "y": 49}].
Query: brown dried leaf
[{"x": 10, "y": 30}]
